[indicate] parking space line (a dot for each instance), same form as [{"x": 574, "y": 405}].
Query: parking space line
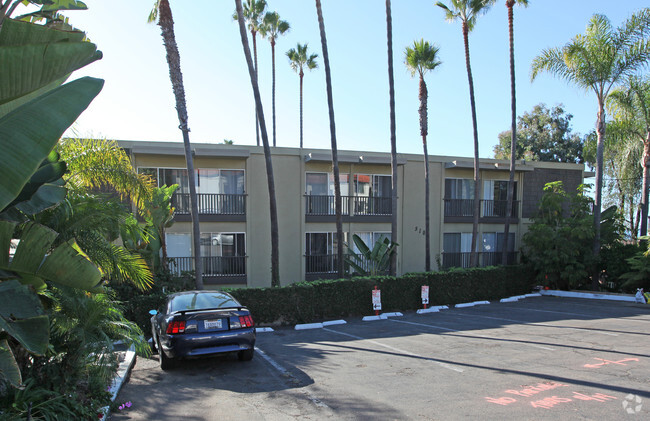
[
  {"x": 400, "y": 351},
  {"x": 473, "y": 334},
  {"x": 284, "y": 372},
  {"x": 534, "y": 323}
]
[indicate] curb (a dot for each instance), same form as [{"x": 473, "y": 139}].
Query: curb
[
  {"x": 591, "y": 295},
  {"x": 306, "y": 326},
  {"x": 123, "y": 372}
]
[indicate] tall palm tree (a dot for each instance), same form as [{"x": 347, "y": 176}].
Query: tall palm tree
[
  {"x": 467, "y": 11},
  {"x": 513, "y": 145},
  {"x": 298, "y": 59},
  {"x": 335, "y": 159},
  {"x": 630, "y": 104},
  {"x": 597, "y": 61},
  {"x": 253, "y": 15},
  {"x": 272, "y": 27},
  {"x": 163, "y": 12},
  {"x": 273, "y": 209},
  {"x": 393, "y": 137},
  {"x": 420, "y": 59}
]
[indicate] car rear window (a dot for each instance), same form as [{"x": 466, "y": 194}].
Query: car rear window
[{"x": 202, "y": 300}]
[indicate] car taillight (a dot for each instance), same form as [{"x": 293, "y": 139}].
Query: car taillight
[
  {"x": 176, "y": 327},
  {"x": 246, "y": 321}
]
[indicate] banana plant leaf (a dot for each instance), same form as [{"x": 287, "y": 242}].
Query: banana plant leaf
[
  {"x": 8, "y": 366},
  {"x": 29, "y": 133}
]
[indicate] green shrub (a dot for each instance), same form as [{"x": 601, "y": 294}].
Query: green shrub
[{"x": 306, "y": 302}]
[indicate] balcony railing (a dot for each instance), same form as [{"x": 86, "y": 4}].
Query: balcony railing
[
  {"x": 488, "y": 208},
  {"x": 211, "y": 203},
  {"x": 462, "y": 260},
  {"x": 350, "y": 205},
  {"x": 327, "y": 264},
  {"x": 212, "y": 265}
]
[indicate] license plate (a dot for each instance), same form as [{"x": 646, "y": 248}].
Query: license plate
[{"x": 212, "y": 324}]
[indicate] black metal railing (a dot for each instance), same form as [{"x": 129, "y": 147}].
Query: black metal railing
[
  {"x": 211, "y": 203},
  {"x": 357, "y": 205},
  {"x": 462, "y": 260},
  {"x": 327, "y": 263},
  {"x": 212, "y": 265},
  {"x": 488, "y": 208}
]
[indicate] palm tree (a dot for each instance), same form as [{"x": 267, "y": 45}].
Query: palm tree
[
  {"x": 253, "y": 15},
  {"x": 597, "y": 61},
  {"x": 273, "y": 27},
  {"x": 275, "y": 259},
  {"x": 420, "y": 59},
  {"x": 393, "y": 138},
  {"x": 298, "y": 60},
  {"x": 631, "y": 105},
  {"x": 513, "y": 145},
  {"x": 335, "y": 159},
  {"x": 163, "y": 12},
  {"x": 467, "y": 11}
]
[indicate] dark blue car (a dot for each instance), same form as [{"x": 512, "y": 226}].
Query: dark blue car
[{"x": 202, "y": 323}]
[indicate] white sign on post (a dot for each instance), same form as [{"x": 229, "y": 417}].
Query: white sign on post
[
  {"x": 425, "y": 294},
  {"x": 376, "y": 299}
]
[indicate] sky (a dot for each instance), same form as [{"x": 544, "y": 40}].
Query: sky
[{"x": 137, "y": 101}]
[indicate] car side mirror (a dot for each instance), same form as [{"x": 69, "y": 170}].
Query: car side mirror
[{"x": 153, "y": 312}]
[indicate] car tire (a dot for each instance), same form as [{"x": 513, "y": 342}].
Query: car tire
[
  {"x": 246, "y": 355},
  {"x": 165, "y": 362}
]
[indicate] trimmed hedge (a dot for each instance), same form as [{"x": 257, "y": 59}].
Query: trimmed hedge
[{"x": 307, "y": 302}]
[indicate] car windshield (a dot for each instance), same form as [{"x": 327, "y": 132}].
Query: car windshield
[{"x": 202, "y": 300}]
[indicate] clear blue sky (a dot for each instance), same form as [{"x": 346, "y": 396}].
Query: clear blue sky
[{"x": 137, "y": 101}]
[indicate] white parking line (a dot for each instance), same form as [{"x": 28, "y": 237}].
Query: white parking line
[
  {"x": 473, "y": 334},
  {"x": 400, "y": 351},
  {"x": 532, "y": 323}
]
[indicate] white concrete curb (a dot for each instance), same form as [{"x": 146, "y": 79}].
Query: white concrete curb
[
  {"x": 371, "y": 318},
  {"x": 534, "y": 294},
  {"x": 397, "y": 314},
  {"x": 123, "y": 371},
  {"x": 428, "y": 310},
  {"x": 509, "y": 300},
  {"x": 306, "y": 326},
  {"x": 461, "y": 305},
  {"x": 481, "y": 302},
  {"x": 591, "y": 295},
  {"x": 263, "y": 329},
  {"x": 334, "y": 322}
]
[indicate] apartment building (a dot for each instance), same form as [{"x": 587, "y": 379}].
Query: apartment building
[{"x": 234, "y": 210}]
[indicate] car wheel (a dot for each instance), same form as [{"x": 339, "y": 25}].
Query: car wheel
[
  {"x": 246, "y": 355},
  {"x": 165, "y": 362}
]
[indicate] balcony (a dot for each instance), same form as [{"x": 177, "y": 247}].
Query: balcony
[
  {"x": 462, "y": 210},
  {"x": 216, "y": 269},
  {"x": 324, "y": 266},
  {"x": 322, "y": 208},
  {"x": 213, "y": 207},
  {"x": 462, "y": 260}
]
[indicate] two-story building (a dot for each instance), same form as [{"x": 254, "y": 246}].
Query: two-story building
[{"x": 234, "y": 207}]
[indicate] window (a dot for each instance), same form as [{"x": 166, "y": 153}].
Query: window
[
  {"x": 179, "y": 245},
  {"x": 370, "y": 238},
  {"x": 493, "y": 248},
  {"x": 320, "y": 251},
  {"x": 495, "y": 198},
  {"x": 456, "y": 249},
  {"x": 322, "y": 184},
  {"x": 459, "y": 188},
  {"x": 372, "y": 185},
  {"x": 214, "y": 181},
  {"x": 223, "y": 253}
]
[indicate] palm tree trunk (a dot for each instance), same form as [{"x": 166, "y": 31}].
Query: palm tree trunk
[
  {"x": 257, "y": 120},
  {"x": 600, "y": 130},
  {"x": 273, "y": 86},
  {"x": 335, "y": 159},
  {"x": 477, "y": 186},
  {"x": 513, "y": 142},
  {"x": 424, "y": 131},
  {"x": 166, "y": 23},
  {"x": 301, "y": 76},
  {"x": 646, "y": 185},
  {"x": 275, "y": 260},
  {"x": 393, "y": 138}
]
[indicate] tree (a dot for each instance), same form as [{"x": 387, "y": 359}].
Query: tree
[
  {"x": 597, "y": 61},
  {"x": 467, "y": 11},
  {"x": 254, "y": 15},
  {"x": 543, "y": 135},
  {"x": 272, "y": 27},
  {"x": 335, "y": 159},
  {"x": 275, "y": 259},
  {"x": 630, "y": 105},
  {"x": 162, "y": 11},
  {"x": 393, "y": 137},
  {"x": 298, "y": 59},
  {"x": 513, "y": 100},
  {"x": 420, "y": 59}
]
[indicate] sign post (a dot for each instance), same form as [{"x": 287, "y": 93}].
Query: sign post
[
  {"x": 376, "y": 300},
  {"x": 425, "y": 295}
]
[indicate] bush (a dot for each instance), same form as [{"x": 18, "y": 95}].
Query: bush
[{"x": 328, "y": 299}]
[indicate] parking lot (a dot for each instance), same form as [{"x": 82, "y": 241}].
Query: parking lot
[{"x": 538, "y": 358}]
